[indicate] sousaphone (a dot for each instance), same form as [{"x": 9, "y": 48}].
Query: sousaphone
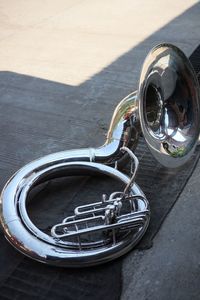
[{"x": 166, "y": 109}]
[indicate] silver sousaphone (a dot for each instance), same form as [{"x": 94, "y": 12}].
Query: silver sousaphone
[{"x": 166, "y": 109}]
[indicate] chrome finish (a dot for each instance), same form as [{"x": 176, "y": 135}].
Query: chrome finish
[
  {"x": 124, "y": 131},
  {"x": 28, "y": 239},
  {"x": 167, "y": 107}
]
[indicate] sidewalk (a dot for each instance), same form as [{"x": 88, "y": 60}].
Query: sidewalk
[{"x": 171, "y": 268}]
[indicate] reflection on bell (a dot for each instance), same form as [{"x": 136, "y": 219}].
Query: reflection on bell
[{"x": 169, "y": 73}]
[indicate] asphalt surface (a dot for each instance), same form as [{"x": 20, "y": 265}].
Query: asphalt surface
[
  {"x": 171, "y": 268},
  {"x": 72, "y": 61}
]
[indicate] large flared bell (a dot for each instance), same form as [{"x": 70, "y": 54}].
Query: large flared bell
[{"x": 168, "y": 98}]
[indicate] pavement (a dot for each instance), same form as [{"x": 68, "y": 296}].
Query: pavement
[
  {"x": 171, "y": 268},
  {"x": 94, "y": 51}
]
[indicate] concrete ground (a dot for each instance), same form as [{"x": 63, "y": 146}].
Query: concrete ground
[
  {"x": 171, "y": 268},
  {"x": 96, "y": 48}
]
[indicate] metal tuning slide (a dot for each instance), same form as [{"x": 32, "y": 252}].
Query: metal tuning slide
[{"x": 104, "y": 217}]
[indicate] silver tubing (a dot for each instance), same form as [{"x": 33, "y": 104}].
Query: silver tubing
[{"x": 28, "y": 239}]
